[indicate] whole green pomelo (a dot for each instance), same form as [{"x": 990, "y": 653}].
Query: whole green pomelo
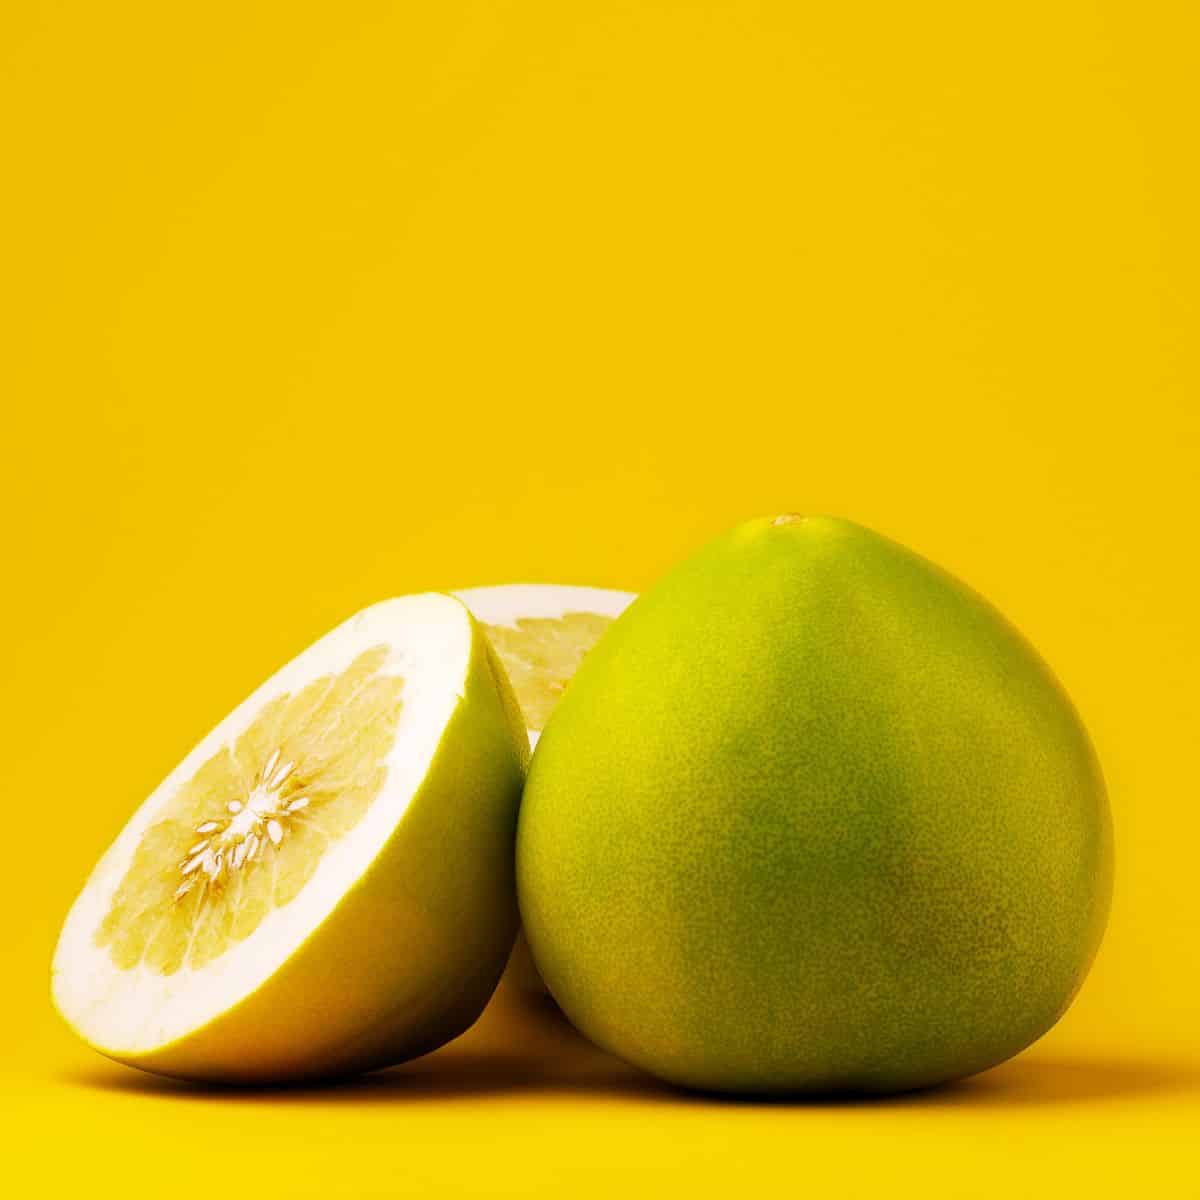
[{"x": 813, "y": 816}]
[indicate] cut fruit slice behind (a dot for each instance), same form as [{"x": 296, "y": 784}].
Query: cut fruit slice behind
[
  {"x": 541, "y": 631},
  {"x": 325, "y": 883}
]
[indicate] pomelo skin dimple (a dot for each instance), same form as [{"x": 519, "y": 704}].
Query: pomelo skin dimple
[{"x": 813, "y": 817}]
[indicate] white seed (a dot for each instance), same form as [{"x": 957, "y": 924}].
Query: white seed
[
  {"x": 198, "y": 847},
  {"x": 193, "y": 863},
  {"x": 183, "y": 889},
  {"x": 270, "y": 764},
  {"x": 234, "y": 806},
  {"x": 297, "y": 804},
  {"x": 282, "y": 774},
  {"x": 208, "y": 827},
  {"x": 239, "y": 855},
  {"x": 252, "y": 843},
  {"x": 275, "y": 831}
]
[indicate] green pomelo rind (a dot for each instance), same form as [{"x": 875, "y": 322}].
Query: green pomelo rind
[
  {"x": 813, "y": 817},
  {"x": 411, "y": 953}
]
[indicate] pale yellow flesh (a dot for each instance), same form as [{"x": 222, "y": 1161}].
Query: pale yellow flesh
[
  {"x": 541, "y": 654},
  {"x": 246, "y": 832}
]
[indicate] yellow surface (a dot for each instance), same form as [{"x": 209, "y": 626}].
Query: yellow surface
[{"x": 309, "y": 304}]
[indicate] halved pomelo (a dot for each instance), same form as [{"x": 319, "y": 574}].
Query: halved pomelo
[
  {"x": 325, "y": 884},
  {"x": 541, "y": 631}
]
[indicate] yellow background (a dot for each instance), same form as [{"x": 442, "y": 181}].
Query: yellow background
[{"x": 309, "y": 304}]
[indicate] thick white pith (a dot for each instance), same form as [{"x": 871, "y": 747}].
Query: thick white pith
[
  {"x": 130, "y": 1012},
  {"x": 507, "y": 603}
]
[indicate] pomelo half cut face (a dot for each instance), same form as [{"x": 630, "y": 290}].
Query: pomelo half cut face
[
  {"x": 541, "y": 631},
  {"x": 324, "y": 884}
]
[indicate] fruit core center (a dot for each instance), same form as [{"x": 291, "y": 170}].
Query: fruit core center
[{"x": 232, "y": 840}]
